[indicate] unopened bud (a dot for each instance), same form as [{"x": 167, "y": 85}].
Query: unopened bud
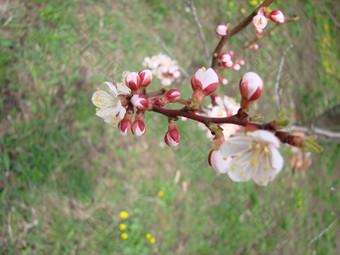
[
  {"x": 133, "y": 81},
  {"x": 171, "y": 96},
  {"x": 145, "y": 77},
  {"x": 124, "y": 126},
  {"x": 140, "y": 102},
  {"x": 277, "y": 16},
  {"x": 173, "y": 136},
  {"x": 251, "y": 86},
  {"x": 222, "y": 30}
]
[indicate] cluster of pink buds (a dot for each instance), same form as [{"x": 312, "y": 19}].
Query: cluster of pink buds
[
  {"x": 227, "y": 60},
  {"x": 260, "y": 20},
  {"x": 138, "y": 82}
]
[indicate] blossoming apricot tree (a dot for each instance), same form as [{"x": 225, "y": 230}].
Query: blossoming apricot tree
[{"x": 243, "y": 155}]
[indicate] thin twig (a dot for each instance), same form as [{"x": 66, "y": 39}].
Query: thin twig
[
  {"x": 330, "y": 15},
  {"x": 183, "y": 71},
  {"x": 201, "y": 34},
  {"x": 325, "y": 230},
  {"x": 316, "y": 130},
  {"x": 277, "y": 90},
  {"x": 244, "y": 23},
  {"x": 266, "y": 34}
]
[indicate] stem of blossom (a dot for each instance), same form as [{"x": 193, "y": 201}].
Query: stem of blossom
[
  {"x": 268, "y": 33},
  {"x": 244, "y": 23},
  {"x": 234, "y": 119}
]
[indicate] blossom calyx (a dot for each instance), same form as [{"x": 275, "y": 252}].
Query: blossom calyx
[
  {"x": 140, "y": 102},
  {"x": 251, "y": 86},
  {"x": 171, "y": 96},
  {"x": 222, "y": 30},
  {"x": 277, "y": 16},
  {"x": 173, "y": 136}
]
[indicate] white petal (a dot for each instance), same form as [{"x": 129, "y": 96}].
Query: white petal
[
  {"x": 206, "y": 77},
  {"x": 102, "y": 99},
  {"x": 240, "y": 169},
  {"x": 219, "y": 163},
  {"x": 276, "y": 159},
  {"x": 264, "y": 173},
  {"x": 107, "y": 111},
  {"x": 111, "y": 87},
  {"x": 266, "y": 136},
  {"x": 122, "y": 113},
  {"x": 235, "y": 145}
]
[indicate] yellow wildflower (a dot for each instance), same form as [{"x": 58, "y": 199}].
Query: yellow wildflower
[
  {"x": 161, "y": 193},
  {"x": 243, "y": 10},
  {"x": 148, "y": 236},
  {"x": 152, "y": 240},
  {"x": 122, "y": 227},
  {"x": 124, "y": 215},
  {"x": 124, "y": 236}
]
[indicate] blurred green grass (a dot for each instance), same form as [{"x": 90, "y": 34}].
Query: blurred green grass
[{"x": 61, "y": 166}]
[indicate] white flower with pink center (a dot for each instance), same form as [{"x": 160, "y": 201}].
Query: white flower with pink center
[{"x": 254, "y": 156}]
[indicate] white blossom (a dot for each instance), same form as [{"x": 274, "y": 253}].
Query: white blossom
[{"x": 254, "y": 156}]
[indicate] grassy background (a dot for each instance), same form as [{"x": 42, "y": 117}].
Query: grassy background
[{"x": 65, "y": 176}]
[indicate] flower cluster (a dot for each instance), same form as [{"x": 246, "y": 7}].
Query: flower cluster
[
  {"x": 260, "y": 20},
  {"x": 163, "y": 67},
  {"x": 242, "y": 155}
]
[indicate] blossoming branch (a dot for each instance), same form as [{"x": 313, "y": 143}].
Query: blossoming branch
[{"x": 241, "y": 147}]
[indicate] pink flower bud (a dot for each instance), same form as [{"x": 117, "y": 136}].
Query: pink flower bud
[
  {"x": 205, "y": 81},
  {"x": 254, "y": 46},
  {"x": 228, "y": 64},
  {"x": 145, "y": 77},
  {"x": 133, "y": 81},
  {"x": 140, "y": 102},
  {"x": 236, "y": 67},
  {"x": 171, "y": 96},
  {"x": 231, "y": 53},
  {"x": 224, "y": 81},
  {"x": 173, "y": 136},
  {"x": 259, "y": 31},
  {"x": 222, "y": 30},
  {"x": 240, "y": 62},
  {"x": 251, "y": 86},
  {"x": 124, "y": 126},
  {"x": 260, "y": 20},
  {"x": 277, "y": 16},
  {"x": 225, "y": 57},
  {"x": 138, "y": 127}
]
